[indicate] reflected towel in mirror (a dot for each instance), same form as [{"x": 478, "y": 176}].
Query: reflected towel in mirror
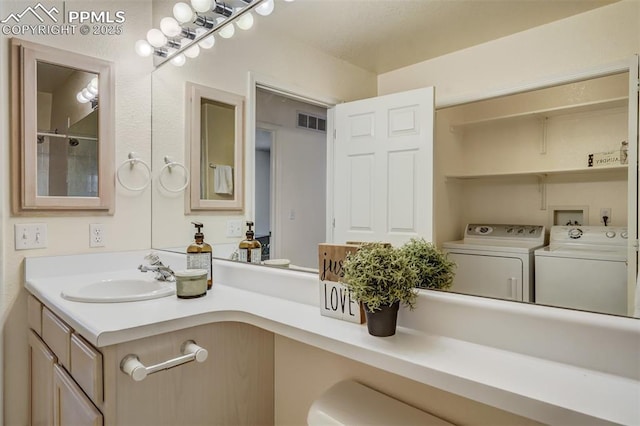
[{"x": 222, "y": 179}]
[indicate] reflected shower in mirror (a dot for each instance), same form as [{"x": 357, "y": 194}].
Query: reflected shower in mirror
[
  {"x": 62, "y": 132},
  {"x": 67, "y": 131}
]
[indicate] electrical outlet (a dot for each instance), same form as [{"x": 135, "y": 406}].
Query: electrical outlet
[
  {"x": 30, "y": 236},
  {"x": 96, "y": 235},
  {"x": 234, "y": 228},
  {"x": 605, "y": 211}
]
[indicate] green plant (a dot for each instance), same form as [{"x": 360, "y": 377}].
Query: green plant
[
  {"x": 433, "y": 267},
  {"x": 378, "y": 275}
]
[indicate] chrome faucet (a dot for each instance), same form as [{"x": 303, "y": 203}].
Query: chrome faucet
[{"x": 163, "y": 273}]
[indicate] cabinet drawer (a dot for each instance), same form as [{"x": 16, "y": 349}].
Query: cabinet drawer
[
  {"x": 57, "y": 335},
  {"x": 34, "y": 314},
  {"x": 86, "y": 368}
]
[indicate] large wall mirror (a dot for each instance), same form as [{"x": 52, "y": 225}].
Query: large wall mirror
[
  {"x": 62, "y": 130},
  {"x": 489, "y": 169},
  {"x": 214, "y": 149}
]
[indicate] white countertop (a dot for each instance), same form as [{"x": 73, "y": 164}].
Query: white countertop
[{"x": 538, "y": 384}]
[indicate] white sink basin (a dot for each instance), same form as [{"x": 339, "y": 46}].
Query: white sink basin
[{"x": 121, "y": 290}]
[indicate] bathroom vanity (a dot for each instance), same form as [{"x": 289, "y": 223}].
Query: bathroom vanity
[{"x": 467, "y": 346}]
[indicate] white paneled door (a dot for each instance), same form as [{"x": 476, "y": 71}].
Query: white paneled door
[{"x": 383, "y": 168}]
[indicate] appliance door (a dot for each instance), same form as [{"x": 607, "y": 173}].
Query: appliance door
[
  {"x": 490, "y": 276},
  {"x": 587, "y": 284}
]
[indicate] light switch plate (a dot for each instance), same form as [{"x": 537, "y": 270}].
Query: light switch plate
[{"x": 30, "y": 236}]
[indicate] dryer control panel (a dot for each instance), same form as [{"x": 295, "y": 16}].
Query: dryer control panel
[{"x": 510, "y": 232}]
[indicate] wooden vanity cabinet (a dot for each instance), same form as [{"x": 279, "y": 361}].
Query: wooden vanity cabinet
[{"x": 234, "y": 385}]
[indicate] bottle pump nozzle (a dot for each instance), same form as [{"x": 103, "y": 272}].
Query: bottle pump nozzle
[{"x": 198, "y": 227}]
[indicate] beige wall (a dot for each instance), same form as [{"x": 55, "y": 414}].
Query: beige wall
[{"x": 127, "y": 229}]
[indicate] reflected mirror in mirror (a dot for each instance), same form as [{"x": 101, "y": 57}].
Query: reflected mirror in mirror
[
  {"x": 215, "y": 149},
  {"x": 67, "y": 132},
  {"x": 62, "y": 133}
]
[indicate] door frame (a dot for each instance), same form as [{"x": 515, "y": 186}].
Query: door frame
[{"x": 271, "y": 84}]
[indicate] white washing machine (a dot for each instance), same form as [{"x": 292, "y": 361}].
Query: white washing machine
[
  {"x": 584, "y": 267},
  {"x": 496, "y": 260}
]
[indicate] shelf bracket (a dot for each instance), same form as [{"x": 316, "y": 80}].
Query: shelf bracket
[
  {"x": 543, "y": 141},
  {"x": 542, "y": 189}
]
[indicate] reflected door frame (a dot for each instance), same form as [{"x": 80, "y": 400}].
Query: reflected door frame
[{"x": 256, "y": 80}]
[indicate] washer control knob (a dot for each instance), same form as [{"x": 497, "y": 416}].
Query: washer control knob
[
  {"x": 575, "y": 233},
  {"x": 624, "y": 234},
  {"x": 484, "y": 229},
  {"x": 610, "y": 234}
]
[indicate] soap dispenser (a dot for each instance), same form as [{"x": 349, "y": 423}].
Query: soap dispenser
[
  {"x": 199, "y": 254},
  {"x": 250, "y": 249}
]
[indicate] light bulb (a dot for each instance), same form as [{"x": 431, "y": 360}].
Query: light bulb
[
  {"x": 170, "y": 27},
  {"x": 288, "y": 1},
  {"x": 143, "y": 48},
  {"x": 207, "y": 42},
  {"x": 227, "y": 31},
  {"x": 245, "y": 22},
  {"x": 81, "y": 98},
  {"x": 94, "y": 83},
  {"x": 85, "y": 92},
  {"x": 201, "y": 5},
  {"x": 92, "y": 90},
  {"x": 182, "y": 12},
  {"x": 179, "y": 60},
  {"x": 156, "y": 38},
  {"x": 265, "y": 8},
  {"x": 192, "y": 52}
]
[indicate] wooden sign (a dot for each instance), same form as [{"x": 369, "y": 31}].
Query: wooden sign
[{"x": 335, "y": 299}]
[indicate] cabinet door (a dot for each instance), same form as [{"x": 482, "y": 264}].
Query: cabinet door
[
  {"x": 70, "y": 405},
  {"x": 489, "y": 276},
  {"x": 41, "y": 363}
]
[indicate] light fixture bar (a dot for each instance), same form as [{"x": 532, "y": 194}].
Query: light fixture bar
[{"x": 214, "y": 29}]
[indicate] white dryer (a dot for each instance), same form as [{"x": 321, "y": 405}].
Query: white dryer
[
  {"x": 584, "y": 267},
  {"x": 496, "y": 260}
]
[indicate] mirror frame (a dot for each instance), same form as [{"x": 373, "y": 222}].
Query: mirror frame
[
  {"x": 24, "y": 198},
  {"x": 194, "y": 95}
]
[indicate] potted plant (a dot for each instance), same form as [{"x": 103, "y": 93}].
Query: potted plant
[
  {"x": 432, "y": 265},
  {"x": 379, "y": 276}
]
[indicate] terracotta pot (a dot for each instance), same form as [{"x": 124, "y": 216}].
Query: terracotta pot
[{"x": 382, "y": 323}]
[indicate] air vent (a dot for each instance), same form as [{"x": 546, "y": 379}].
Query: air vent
[{"x": 312, "y": 122}]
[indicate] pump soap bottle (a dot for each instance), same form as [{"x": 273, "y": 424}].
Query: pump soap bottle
[
  {"x": 250, "y": 250},
  {"x": 199, "y": 254}
]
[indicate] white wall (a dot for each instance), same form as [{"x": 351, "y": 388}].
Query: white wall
[
  {"x": 127, "y": 229},
  {"x": 263, "y": 192}
]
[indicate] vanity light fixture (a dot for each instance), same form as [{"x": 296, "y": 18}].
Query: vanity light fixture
[
  {"x": 193, "y": 25},
  {"x": 89, "y": 93}
]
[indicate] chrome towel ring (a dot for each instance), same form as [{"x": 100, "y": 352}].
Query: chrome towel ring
[
  {"x": 132, "y": 160},
  {"x": 168, "y": 167}
]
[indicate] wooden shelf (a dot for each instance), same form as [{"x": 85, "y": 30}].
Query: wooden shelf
[
  {"x": 592, "y": 171},
  {"x": 549, "y": 112}
]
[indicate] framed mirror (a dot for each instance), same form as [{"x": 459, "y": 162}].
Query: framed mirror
[
  {"x": 62, "y": 130},
  {"x": 214, "y": 149}
]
